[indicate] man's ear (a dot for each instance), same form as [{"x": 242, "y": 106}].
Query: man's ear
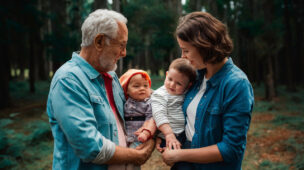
[{"x": 99, "y": 41}]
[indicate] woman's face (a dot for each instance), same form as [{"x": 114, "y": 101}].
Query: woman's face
[{"x": 192, "y": 54}]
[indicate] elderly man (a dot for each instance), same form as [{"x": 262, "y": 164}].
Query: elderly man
[{"x": 85, "y": 102}]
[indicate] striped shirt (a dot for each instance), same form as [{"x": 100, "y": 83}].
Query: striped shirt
[{"x": 167, "y": 108}]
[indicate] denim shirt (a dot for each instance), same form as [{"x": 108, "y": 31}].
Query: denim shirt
[
  {"x": 80, "y": 115},
  {"x": 223, "y": 115}
]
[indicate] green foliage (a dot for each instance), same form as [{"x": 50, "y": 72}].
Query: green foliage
[
  {"x": 3, "y": 140},
  {"x": 157, "y": 82},
  {"x": 273, "y": 166},
  {"x": 40, "y": 131},
  {"x": 298, "y": 148},
  {"x": 6, "y": 161},
  {"x": 151, "y": 26},
  {"x": 17, "y": 145},
  {"x": 293, "y": 122},
  {"x": 20, "y": 90},
  {"x": 263, "y": 106}
]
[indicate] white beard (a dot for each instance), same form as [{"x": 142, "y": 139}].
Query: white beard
[
  {"x": 115, "y": 67},
  {"x": 107, "y": 64}
]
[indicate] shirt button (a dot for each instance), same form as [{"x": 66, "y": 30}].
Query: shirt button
[{"x": 115, "y": 133}]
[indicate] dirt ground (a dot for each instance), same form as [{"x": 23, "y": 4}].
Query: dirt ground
[
  {"x": 266, "y": 142},
  {"x": 269, "y": 146}
]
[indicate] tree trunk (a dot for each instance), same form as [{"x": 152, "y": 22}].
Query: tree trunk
[
  {"x": 4, "y": 78},
  {"x": 269, "y": 38},
  {"x": 42, "y": 59},
  {"x": 298, "y": 16},
  {"x": 116, "y": 7},
  {"x": 288, "y": 48},
  {"x": 58, "y": 24},
  {"x": 269, "y": 80},
  {"x": 100, "y": 4},
  {"x": 32, "y": 65}
]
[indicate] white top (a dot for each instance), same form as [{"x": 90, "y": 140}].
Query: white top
[
  {"x": 191, "y": 110},
  {"x": 167, "y": 108}
]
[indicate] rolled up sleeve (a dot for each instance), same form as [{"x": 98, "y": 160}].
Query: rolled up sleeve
[
  {"x": 236, "y": 120},
  {"x": 74, "y": 113}
]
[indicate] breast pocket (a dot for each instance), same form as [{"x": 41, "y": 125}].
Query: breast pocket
[
  {"x": 99, "y": 107},
  {"x": 214, "y": 121}
]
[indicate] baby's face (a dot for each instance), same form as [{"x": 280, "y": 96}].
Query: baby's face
[
  {"x": 138, "y": 88},
  {"x": 176, "y": 83}
]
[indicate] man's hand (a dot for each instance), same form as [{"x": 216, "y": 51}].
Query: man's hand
[
  {"x": 170, "y": 156},
  {"x": 172, "y": 142},
  {"x": 144, "y": 151}
]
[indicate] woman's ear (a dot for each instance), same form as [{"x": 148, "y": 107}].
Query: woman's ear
[{"x": 99, "y": 42}]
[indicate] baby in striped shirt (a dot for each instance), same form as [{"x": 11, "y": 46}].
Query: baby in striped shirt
[{"x": 167, "y": 103}]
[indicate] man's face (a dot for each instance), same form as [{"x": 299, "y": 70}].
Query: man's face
[{"x": 115, "y": 50}]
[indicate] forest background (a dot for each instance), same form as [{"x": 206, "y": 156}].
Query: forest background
[{"x": 38, "y": 36}]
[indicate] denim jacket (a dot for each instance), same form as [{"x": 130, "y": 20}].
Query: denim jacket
[
  {"x": 80, "y": 115},
  {"x": 223, "y": 115}
]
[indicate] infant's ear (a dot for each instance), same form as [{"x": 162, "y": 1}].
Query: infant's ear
[{"x": 189, "y": 85}]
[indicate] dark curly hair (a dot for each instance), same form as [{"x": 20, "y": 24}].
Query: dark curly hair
[{"x": 207, "y": 34}]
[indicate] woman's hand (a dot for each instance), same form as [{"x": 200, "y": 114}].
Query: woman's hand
[
  {"x": 170, "y": 156},
  {"x": 172, "y": 142}
]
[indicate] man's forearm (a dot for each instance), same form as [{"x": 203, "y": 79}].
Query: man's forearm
[
  {"x": 124, "y": 155},
  {"x": 137, "y": 156}
]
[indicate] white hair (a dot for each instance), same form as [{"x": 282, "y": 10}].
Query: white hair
[{"x": 101, "y": 21}]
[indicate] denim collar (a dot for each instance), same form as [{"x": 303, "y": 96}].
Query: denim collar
[
  {"x": 217, "y": 77},
  {"x": 85, "y": 66}
]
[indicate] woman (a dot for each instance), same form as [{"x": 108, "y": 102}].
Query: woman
[{"x": 218, "y": 106}]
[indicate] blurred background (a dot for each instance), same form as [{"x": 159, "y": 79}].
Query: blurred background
[{"x": 38, "y": 36}]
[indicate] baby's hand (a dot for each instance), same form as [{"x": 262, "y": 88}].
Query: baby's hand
[
  {"x": 172, "y": 142},
  {"x": 157, "y": 145},
  {"x": 144, "y": 136}
]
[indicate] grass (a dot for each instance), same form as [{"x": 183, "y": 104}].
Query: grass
[{"x": 275, "y": 138}]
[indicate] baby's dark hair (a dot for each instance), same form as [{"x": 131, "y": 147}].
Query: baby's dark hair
[{"x": 184, "y": 66}]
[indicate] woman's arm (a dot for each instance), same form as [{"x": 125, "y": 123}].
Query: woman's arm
[
  {"x": 236, "y": 120},
  {"x": 207, "y": 154}
]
